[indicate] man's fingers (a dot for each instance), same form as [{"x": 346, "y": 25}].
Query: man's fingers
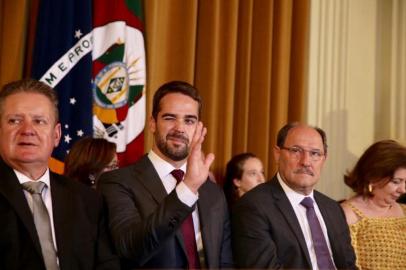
[{"x": 209, "y": 160}]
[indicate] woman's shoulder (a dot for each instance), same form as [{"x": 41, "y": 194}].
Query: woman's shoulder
[{"x": 351, "y": 211}]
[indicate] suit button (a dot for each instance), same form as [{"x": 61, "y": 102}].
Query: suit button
[{"x": 173, "y": 222}]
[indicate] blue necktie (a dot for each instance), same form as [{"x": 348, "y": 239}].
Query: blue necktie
[{"x": 319, "y": 242}]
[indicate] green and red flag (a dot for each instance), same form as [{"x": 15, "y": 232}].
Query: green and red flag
[
  {"x": 92, "y": 53},
  {"x": 119, "y": 76}
]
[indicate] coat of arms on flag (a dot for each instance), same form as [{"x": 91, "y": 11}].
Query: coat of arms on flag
[{"x": 92, "y": 54}]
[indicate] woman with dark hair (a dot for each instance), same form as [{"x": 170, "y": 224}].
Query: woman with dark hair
[
  {"x": 244, "y": 171},
  {"x": 89, "y": 158},
  {"x": 377, "y": 222}
]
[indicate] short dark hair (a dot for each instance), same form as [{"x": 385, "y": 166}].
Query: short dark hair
[
  {"x": 283, "y": 133},
  {"x": 30, "y": 86},
  {"x": 174, "y": 87},
  {"x": 378, "y": 162},
  {"x": 88, "y": 156},
  {"x": 234, "y": 169}
]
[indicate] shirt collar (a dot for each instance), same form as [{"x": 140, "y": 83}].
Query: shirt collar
[
  {"x": 22, "y": 178},
  {"x": 294, "y": 197},
  {"x": 162, "y": 167}
]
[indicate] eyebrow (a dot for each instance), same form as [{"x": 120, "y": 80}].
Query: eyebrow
[
  {"x": 188, "y": 116},
  {"x": 311, "y": 149}
]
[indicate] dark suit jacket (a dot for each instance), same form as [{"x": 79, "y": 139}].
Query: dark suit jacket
[
  {"x": 80, "y": 231},
  {"x": 145, "y": 221},
  {"x": 267, "y": 234}
]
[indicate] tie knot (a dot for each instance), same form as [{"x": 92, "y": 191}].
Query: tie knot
[
  {"x": 307, "y": 202},
  {"x": 34, "y": 187},
  {"x": 178, "y": 174}
]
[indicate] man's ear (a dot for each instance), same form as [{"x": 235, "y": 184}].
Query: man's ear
[
  {"x": 237, "y": 182},
  {"x": 276, "y": 153},
  {"x": 58, "y": 134},
  {"x": 152, "y": 124}
]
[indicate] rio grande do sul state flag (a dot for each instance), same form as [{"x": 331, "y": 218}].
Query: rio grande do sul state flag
[{"x": 92, "y": 53}]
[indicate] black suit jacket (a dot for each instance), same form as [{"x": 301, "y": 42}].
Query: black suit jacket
[
  {"x": 80, "y": 229},
  {"x": 145, "y": 221},
  {"x": 267, "y": 234}
]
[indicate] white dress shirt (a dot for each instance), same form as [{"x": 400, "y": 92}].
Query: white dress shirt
[
  {"x": 46, "y": 197},
  {"x": 185, "y": 195},
  {"x": 300, "y": 211}
]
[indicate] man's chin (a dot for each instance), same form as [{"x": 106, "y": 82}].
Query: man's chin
[{"x": 177, "y": 154}]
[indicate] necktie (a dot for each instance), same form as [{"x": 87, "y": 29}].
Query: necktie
[
  {"x": 42, "y": 224},
  {"x": 320, "y": 245},
  {"x": 188, "y": 232}
]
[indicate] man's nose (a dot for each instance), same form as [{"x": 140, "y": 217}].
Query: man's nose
[
  {"x": 179, "y": 125},
  {"x": 305, "y": 158},
  {"x": 27, "y": 128}
]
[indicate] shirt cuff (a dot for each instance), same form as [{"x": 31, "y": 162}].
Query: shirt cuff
[{"x": 185, "y": 195}]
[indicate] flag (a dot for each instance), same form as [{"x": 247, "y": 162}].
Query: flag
[
  {"x": 92, "y": 54},
  {"x": 119, "y": 76}
]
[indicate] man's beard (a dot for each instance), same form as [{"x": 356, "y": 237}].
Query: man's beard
[{"x": 174, "y": 153}]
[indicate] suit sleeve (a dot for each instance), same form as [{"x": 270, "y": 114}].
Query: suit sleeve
[
  {"x": 105, "y": 259},
  {"x": 226, "y": 257},
  {"x": 253, "y": 245},
  {"x": 135, "y": 236}
]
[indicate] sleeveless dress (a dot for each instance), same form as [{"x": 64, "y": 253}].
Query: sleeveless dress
[{"x": 379, "y": 243}]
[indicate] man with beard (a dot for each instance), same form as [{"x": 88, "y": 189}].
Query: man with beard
[
  {"x": 287, "y": 224},
  {"x": 157, "y": 217}
]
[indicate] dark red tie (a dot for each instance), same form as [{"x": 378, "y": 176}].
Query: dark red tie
[{"x": 188, "y": 232}]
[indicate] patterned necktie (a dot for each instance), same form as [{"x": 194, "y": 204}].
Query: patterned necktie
[
  {"x": 319, "y": 242},
  {"x": 42, "y": 224},
  {"x": 188, "y": 232}
]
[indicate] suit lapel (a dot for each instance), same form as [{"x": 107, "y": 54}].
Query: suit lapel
[
  {"x": 150, "y": 179},
  {"x": 63, "y": 209},
  {"x": 11, "y": 189},
  {"x": 283, "y": 203},
  {"x": 329, "y": 220}
]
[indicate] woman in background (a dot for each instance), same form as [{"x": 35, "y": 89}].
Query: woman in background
[
  {"x": 377, "y": 222},
  {"x": 89, "y": 158},
  {"x": 244, "y": 171}
]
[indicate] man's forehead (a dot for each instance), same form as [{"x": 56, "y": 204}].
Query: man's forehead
[
  {"x": 304, "y": 135},
  {"x": 178, "y": 104},
  {"x": 19, "y": 105}
]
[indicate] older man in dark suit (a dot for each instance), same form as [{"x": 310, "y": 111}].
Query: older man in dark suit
[
  {"x": 285, "y": 223},
  {"x": 47, "y": 221},
  {"x": 157, "y": 217}
]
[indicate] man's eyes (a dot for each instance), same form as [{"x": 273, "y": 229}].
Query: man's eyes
[
  {"x": 14, "y": 121},
  {"x": 169, "y": 118},
  {"x": 315, "y": 153},
  {"x": 190, "y": 121},
  {"x": 41, "y": 121},
  {"x": 296, "y": 150}
]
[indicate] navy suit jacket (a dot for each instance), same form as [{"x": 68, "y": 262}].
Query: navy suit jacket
[
  {"x": 145, "y": 221},
  {"x": 267, "y": 234},
  {"x": 80, "y": 228}
]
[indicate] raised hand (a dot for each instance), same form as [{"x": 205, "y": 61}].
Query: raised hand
[{"x": 198, "y": 164}]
